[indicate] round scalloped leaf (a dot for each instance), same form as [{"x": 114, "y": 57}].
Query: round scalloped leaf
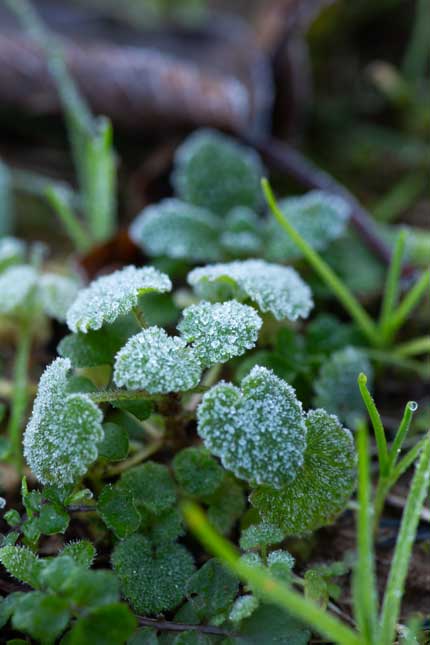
[
  {"x": 319, "y": 217},
  {"x": 16, "y": 286},
  {"x": 197, "y": 471},
  {"x": 152, "y": 579},
  {"x": 57, "y": 294},
  {"x": 221, "y": 331},
  {"x": 274, "y": 288},
  {"x": 336, "y": 386},
  {"x": 114, "y": 295},
  {"x": 243, "y": 233},
  {"x": 150, "y": 485},
  {"x": 257, "y": 431},
  {"x": 177, "y": 230},
  {"x": 12, "y": 251},
  {"x": 322, "y": 486},
  {"x": 156, "y": 362},
  {"x": 214, "y": 171},
  {"x": 60, "y": 441}
]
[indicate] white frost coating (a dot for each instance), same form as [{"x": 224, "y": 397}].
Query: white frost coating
[
  {"x": 11, "y": 250},
  {"x": 218, "y": 332},
  {"x": 258, "y": 431},
  {"x": 113, "y": 295},
  {"x": 61, "y": 438},
  {"x": 281, "y": 557},
  {"x": 16, "y": 285},
  {"x": 274, "y": 288},
  {"x": 156, "y": 362},
  {"x": 262, "y": 534},
  {"x": 177, "y": 230},
  {"x": 318, "y": 216},
  {"x": 243, "y": 607},
  {"x": 57, "y": 294}
]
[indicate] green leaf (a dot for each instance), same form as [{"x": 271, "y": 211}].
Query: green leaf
[
  {"x": 316, "y": 588},
  {"x": 57, "y": 293},
  {"x": 152, "y": 579},
  {"x": 118, "y": 511},
  {"x": 214, "y": 171},
  {"x": 144, "y": 636},
  {"x": 56, "y": 571},
  {"x": 90, "y": 589},
  {"x": 114, "y": 446},
  {"x": 60, "y": 441},
  {"x": 17, "y": 283},
  {"x": 242, "y": 234},
  {"x": 108, "y": 625},
  {"x": 42, "y": 616},
  {"x": 156, "y": 362},
  {"x": 336, "y": 387},
  {"x": 257, "y": 431},
  {"x": 177, "y": 230},
  {"x": 212, "y": 589},
  {"x": 114, "y": 295},
  {"x": 219, "y": 332},
  {"x": 52, "y": 519},
  {"x": 326, "y": 334},
  {"x": 260, "y": 535},
  {"x": 319, "y": 217},
  {"x": 281, "y": 564},
  {"x": 165, "y": 527},
  {"x": 82, "y": 552},
  {"x": 192, "y": 637},
  {"x": 322, "y": 486},
  {"x": 226, "y": 505},
  {"x": 243, "y": 607},
  {"x": 272, "y": 626},
  {"x": 151, "y": 486},
  {"x": 22, "y": 564},
  {"x": 142, "y": 409},
  {"x": 8, "y": 605},
  {"x": 197, "y": 472},
  {"x": 274, "y": 288}
]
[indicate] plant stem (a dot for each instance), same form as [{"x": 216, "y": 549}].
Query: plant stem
[
  {"x": 414, "y": 347},
  {"x": 20, "y": 391},
  {"x": 402, "y": 554},
  {"x": 381, "y": 441},
  {"x": 57, "y": 197},
  {"x": 274, "y": 591},
  {"x": 105, "y": 396},
  {"x": 344, "y": 295},
  {"x": 391, "y": 292},
  {"x": 408, "y": 303}
]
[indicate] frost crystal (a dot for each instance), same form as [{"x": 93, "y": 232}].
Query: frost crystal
[
  {"x": 57, "y": 294},
  {"x": 16, "y": 285},
  {"x": 12, "y": 251},
  {"x": 156, "y": 362},
  {"x": 257, "y": 431},
  {"x": 218, "y": 332},
  {"x": 319, "y": 217},
  {"x": 276, "y": 289},
  {"x": 60, "y": 440},
  {"x": 262, "y": 534},
  {"x": 114, "y": 295},
  {"x": 322, "y": 486},
  {"x": 177, "y": 230},
  {"x": 214, "y": 171},
  {"x": 243, "y": 607}
]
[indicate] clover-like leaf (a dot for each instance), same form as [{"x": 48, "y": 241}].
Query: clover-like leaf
[
  {"x": 274, "y": 288},
  {"x": 322, "y": 486},
  {"x": 152, "y": 579},
  {"x": 156, "y": 362},
  {"x": 318, "y": 216},
  {"x": 17, "y": 283},
  {"x": 117, "y": 509},
  {"x": 177, "y": 230},
  {"x": 60, "y": 441},
  {"x": 12, "y": 251},
  {"x": 242, "y": 233},
  {"x": 114, "y": 295},
  {"x": 336, "y": 386},
  {"x": 214, "y": 171},
  {"x": 57, "y": 293},
  {"x": 218, "y": 332},
  {"x": 257, "y": 431},
  {"x": 151, "y": 486},
  {"x": 197, "y": 471}
]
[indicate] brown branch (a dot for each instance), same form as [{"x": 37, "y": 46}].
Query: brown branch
[{"x": 165, "y": 625}]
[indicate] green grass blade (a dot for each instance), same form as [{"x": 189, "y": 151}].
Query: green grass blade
[
  {"x": 401, "y": 433},
  {"x": 58, "y": 198},
  {"x": 392, "y": 285},
  {"x": 409, "y": 302},
  {"x": 406, "y": 462},
  {"x": 378, "y": 428},
  {"x": 414, "y": 347}
]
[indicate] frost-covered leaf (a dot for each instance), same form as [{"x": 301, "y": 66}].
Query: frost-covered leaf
[
  {"x": 271, "y": 625},
  {"x": 107, "y": 625},
  {"x": 212, "y": 589},
  {"x": 336, "y": 386},
  {"x": 274, "y": 288},
  {"x": 22, "y": 564},
  {"x": 151, "y": 486},
  {"x": 44, "y": 617},
  {"x": 257, "y": 431},
  {"x": 262, "y": 534},
  {"x": 319, "y": 217},
  {"x": 82, "y": 552},
  {"x": 221, "y": 331},
  {"x": 197, "y": 471},
  {"x": 156, "y": 362},
  {"x": 243, "y": 607},
  {"x": 214, "y": 171},
  {"x": 12, "y": 251},
  {"x": 177, "y": 230},
  {"x": 117, "y": 509},
  {"x": 152, "y": 579},
  {"x": 52, "y": 519},
  {"x": 57, "y": 293},
  {"x": 281, "y": 564},
  {"x": 242, "y": 233},
  {"x": 60, "y": 441},
  {"x": 322, "y": 486},
  {"x": 17, "y": 284},
  {"x": 114, "y": 295}
]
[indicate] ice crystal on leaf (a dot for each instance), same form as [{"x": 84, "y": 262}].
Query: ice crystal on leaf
[
  {"x": 214, "y": 171},
  {"x": 218, "y": 332},
  {"x": 177, "y": 230},
  {"x": 274, "y": 288},
  {"x": 114, "y": 295},
  {"x": 319, "y": 217},
  {"x": 57, "y": 294},
  {"x": 243, "y": 607},
  {"x": 257, "y": 431},
  {"x": 17, "y": 283},
  {"x": 156, "y": 362},
  {"x": 321, "y": 487},
  {"x": 262, "y": 534},
  {"x": 22, "y": 564},
  {"x": 60, "y": 440}
]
